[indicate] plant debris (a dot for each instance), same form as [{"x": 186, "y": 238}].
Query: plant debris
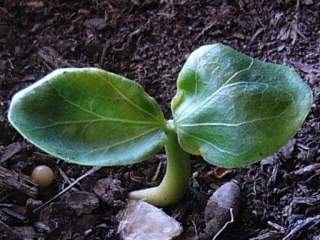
[
  {"x": 17, "y": 181},
  {"x": 109, "y": 190},
  {"x": 302, "y": 225},
  {"x": 11, "y": 150},
  {"x": 82, "y": 202}
]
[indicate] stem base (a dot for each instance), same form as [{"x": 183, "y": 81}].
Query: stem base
[{"x": 175, "y": 182}]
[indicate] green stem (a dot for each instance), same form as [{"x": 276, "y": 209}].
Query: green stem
[{"x": 175, "y": 182}]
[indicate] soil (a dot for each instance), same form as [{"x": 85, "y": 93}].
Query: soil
[{"x": 148, "y": 41}]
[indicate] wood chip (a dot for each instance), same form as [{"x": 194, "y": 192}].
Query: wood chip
[
  {"x": 17, "y": 181},
  {"x": 11, "y": 150}
]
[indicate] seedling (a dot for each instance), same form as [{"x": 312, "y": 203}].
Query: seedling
[{"x": 229, "y": 108}]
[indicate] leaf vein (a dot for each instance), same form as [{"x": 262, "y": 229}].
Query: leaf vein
[
  {"x": 107, "y": 148},
  {"x": 211, "y": 144},
  {"x": 128, "y": 100},
  {"x": 74, "y": 104},
  {"x": 224, "y": 85}
]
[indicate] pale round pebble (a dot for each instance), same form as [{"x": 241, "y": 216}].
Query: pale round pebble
[{"x": 43, "y": 176}]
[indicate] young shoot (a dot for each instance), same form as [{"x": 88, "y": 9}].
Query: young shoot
[{"x": 231, "y": 109}]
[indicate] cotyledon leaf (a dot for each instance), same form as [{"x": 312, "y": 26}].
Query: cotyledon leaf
[
  {"x": 234, "y": 110},
  {"x": 89, "y": 116}
]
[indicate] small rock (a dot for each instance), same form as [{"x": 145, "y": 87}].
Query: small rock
[
  {"x": 221, "y": 210},
  {"x": 95, "y": 23},
  {"x": 143, "y": 221},
  {"x": 82, "y": 202},
  {"x": 109, "y": 190}
]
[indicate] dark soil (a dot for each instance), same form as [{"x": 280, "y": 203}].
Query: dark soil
[{"x": 148, "y": 41}]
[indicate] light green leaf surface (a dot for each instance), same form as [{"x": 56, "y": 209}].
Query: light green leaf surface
[
  {"x": 234, "y": 110},
  {"x": 89, "y": 116}
]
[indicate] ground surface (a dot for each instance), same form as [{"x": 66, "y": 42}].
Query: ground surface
[{"x": 148, "y": 41}]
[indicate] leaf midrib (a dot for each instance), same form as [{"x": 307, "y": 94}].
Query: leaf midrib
[
  {"x": 99, "y": 116},
  {"x": 230, "y": 124},
  {"x": 55, "y": 124}
]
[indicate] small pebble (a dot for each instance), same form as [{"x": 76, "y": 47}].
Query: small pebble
[
  {"x": 218, "y": 210},
  {"x": 43, "y": 176}
]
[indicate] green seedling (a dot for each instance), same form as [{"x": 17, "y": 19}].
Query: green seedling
[{"x": 229, "y": 108}]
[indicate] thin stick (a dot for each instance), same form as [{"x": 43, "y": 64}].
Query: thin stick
[{"x": 91, "y": 171}]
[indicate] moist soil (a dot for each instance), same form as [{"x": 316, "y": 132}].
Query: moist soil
[{"x": 148, "y": 41}]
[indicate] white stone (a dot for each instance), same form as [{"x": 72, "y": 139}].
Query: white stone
[{"x": 143, "y": 221}]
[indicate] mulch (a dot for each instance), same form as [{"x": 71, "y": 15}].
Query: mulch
[{"x": 148, "y": 41}]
